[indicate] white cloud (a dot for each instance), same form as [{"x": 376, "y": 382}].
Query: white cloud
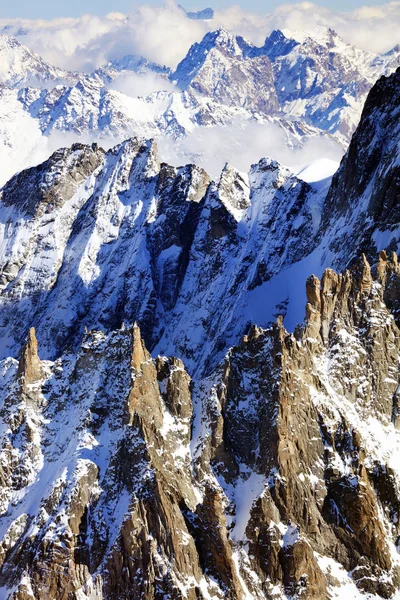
[
  {"x": 143, "y": 84},
  {"x": 165, "y": 34},
  {"x": 244, "y": 144},
  {"x": 161, "y": 34}
]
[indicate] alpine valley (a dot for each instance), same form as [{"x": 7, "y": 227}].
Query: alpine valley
[{"x": 199, "y": 375}]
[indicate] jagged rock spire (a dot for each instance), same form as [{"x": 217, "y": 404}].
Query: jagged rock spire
[{"x": 29, "y": 366}]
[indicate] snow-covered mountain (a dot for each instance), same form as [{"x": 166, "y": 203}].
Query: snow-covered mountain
[
  {"x": 277, "y": 476},
  {"x": 130, "y": 64},
  {"x": 118, "y": 220},
  {"x": 19, "y": 66},
  {"x": 316, "y": 77},
  {"x": 204, "y": 14},
  {"x": 172, "y": 427},
  {"x": 266, "y": 470},
  {"x": 91, "y": 110},
  {"x": 218, "y": 67}
]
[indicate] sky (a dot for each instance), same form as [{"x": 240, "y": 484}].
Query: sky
[{"x": 48, "y": 9}]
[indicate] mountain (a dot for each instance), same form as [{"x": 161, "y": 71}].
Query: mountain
[
  {"x": 91, "y": 110},
  {"x": 129, "y": 64},
  {"x": 315, "y": 77},
  {"x": 170, "y": 424},
  {"x": 216, "y": 67},
  {"x": 305, "y": 85},
  {"x": 205, "y": 14},
  {"x": 95, "y": 224},
  {"x": 21, "y": 139},
  {"x": 276, "y": 477},
  {"x": 323, "y": 79},
  {"x": 19, "y": 66}
]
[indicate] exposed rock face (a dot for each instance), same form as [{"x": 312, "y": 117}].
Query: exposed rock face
[
  {"x": 365, "y": 189},
  {"x": 317, "y": 78},
  {"x": 99, "y": 238},
  {"x": 29, "y": 366},
  {"x": 280, "y": 482},
  {"x": 305, "y": 88}
]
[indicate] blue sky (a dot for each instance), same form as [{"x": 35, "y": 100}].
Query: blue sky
[{"x": 73, "y": 8}]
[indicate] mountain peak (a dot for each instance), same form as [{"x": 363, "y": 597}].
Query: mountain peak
[
  {"x": 21, "y": 66},
  {"x": 222, "y": 38},
  {"x": 278, "y": 44},
  {"x": 206, "y": 14}
]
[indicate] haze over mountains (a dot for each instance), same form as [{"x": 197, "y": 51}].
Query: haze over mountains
[{"x": 199, "y": 369}]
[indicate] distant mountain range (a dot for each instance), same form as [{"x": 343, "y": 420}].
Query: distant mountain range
[{"x": 308, "y": 85}]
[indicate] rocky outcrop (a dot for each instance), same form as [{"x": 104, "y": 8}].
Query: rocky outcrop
[
  {"x": 364, "y": 190},
  {"x": 122, "y": 477},
  {"x": 220, "y": 67},
  {"x": 29, "y": 366}
]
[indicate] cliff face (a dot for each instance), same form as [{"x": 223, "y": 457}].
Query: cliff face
[
  {"x": 123, "y": 478},
  {"x": 365, "y": 190}
]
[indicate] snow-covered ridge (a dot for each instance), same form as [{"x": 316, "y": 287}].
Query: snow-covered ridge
[{"x": 264, "y": 462}]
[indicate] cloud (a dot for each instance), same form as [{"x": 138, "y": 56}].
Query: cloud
[
  {"x": 165, "y": 34},
  {"x": 143, "y": 84},
  {"x": 76, "y": 44},
  {"x": 161, "y": 34},
  {"x": 244, "y": 144},
  {"x": 374, "y": 28}
]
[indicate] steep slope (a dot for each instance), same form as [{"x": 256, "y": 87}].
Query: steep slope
[
  {"x": 322, "y": 80},
  {"x": 105, "y": 237},
  {"x": 92, "y": 110},
  {"x": 19, "y": 66},
  {"x": 20, "y": 136},
  {"x": 260, "y": 464},
  {"x": 366, "y": 188},
  {"x": 286, "y": 483}
]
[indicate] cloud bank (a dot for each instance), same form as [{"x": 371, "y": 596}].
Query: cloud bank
[
  {"x": 164, "y": 34},
  {"x": 243, "y": 145}
]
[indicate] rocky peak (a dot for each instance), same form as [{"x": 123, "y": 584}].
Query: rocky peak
[
  {"x": 277, "y": 44},
  {"x": 233, "y": 190},
  {"x": 224, "y": 66},
  {"x": 50, "y": 185},
  {"x": 275, "y": 480},
  {"x": 20, "y": 66},
  {"x": 29, "y": 366},
  {"x": 369, "y": 172}
]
